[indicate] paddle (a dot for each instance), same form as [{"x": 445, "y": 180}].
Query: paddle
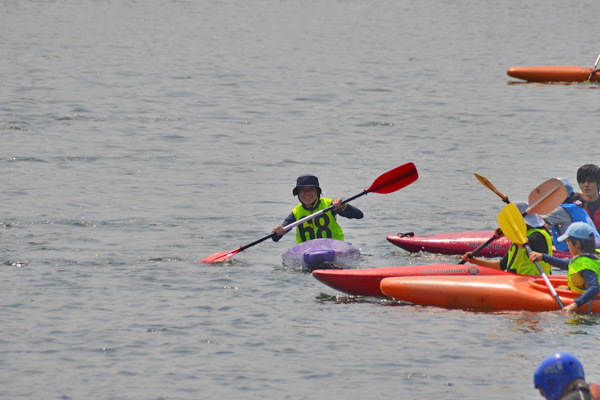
[
  {"x": 489, "y": 185},
  {"x": 543, "y": 199},
  {"x": 389, "y": 182},
  {"x": 594, "y": 70},
  {"x": 513, "y": 225}
]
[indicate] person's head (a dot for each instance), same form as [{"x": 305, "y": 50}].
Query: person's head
[
  {"x": 588, "y": 177},
  {"x": 554, "y": 374},
  {"x": 307, "y": 189},
  {"x": 531, "y": 219},
  {"x": 580, "y": 238},
  {"x": 569, "y": 187}
]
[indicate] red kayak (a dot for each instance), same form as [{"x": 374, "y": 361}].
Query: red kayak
[
  {"x": 365, "y": 282},
  {"x": 457, "y": 243},
  {"x": 549, "y": 73},
  {"x": 485, "y": 293}
]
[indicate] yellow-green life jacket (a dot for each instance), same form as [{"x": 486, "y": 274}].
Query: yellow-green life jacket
[
  {"x": 579, "y": 263},
  {"x": 519, "y": 262},
  {"x": 321, "y": 227}
]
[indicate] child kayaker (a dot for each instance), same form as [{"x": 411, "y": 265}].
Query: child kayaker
[
  {"x": 561, "y": 377},
  {"x": 588, "y": 177},
  {"x": 564, "y": 215},
  {"x": 516, "y": 259},
  {"x": 324, "y": 226},
  {"x": 583, "y": 271}
]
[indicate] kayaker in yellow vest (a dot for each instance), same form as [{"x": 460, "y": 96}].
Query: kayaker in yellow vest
[
  {"x": 516, "y": 260},
  {"x": 324, "y": 226},
  {"x": 583, "y": 271}
]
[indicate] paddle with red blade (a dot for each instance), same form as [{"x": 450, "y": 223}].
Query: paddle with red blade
[
  {"x": 389, "y": 182},
  {"x": 513, "y": 225},
  {"x": 543, "y": 199}
]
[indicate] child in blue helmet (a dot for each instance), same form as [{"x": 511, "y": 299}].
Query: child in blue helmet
[
  {"x": 583, "y": 271},
  {"x": 325, "y": 226},
  {"x": 561, "y": 377}
]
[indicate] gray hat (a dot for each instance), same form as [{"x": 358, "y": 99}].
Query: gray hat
[
  {"x": 531, "y": 219},
  {"x": 306, "y": 180}
]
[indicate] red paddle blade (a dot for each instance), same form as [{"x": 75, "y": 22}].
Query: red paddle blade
[
  {"x": 219, "y": 257},
  {"x": 395, "y": 179}
]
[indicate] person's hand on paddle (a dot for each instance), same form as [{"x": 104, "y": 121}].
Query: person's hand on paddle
[
  {"x": 337, "y": 204},
  {"x": 279, "y": 230},
  {"x": 570, "y": 309},
  {"x": 535, "y": 256},
  {"x": 467, "y": 256},
  {"x": 498, "y": 233}
]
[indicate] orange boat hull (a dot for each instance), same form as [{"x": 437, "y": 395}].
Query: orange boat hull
[
  {"x": 365, "y": 282},
  {"x": 549, "y": 73},
  {"x": 485, "y": 293}
]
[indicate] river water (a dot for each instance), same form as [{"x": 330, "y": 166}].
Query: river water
[{"x": 141, "y": 136}]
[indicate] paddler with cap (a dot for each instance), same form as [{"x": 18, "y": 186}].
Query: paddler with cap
[
  {"x": 324, "y": 226},
  {"x": 516, "y": 259},
  {"x": 583, "y": 271}
]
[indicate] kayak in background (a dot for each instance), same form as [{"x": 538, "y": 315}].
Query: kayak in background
[
  {"x": 457, "y": 243},
  {"x": 484, "y": 293},
  {"x": 321, "y": 254},
  {"x": 549, "y": 73},
  {"x": 365, "y": 282}
]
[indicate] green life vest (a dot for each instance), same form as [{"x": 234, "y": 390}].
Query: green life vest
[
  {"x": 579, "y": 263},
  {"x": 321, "y": 227},
  {"x": 519, "y": 262}
]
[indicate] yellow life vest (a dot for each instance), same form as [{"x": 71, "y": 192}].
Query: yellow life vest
[
  {"x": 519, "y": 262},
  {"x": 323, "y": 226},
  {"x": 576, "y": 282}
]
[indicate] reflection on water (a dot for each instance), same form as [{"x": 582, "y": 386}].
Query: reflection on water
[
  {"x": 584, "y": 319},
  {"x": 349, "y": 299},
  {"x": 578, "y": 85},
  {"x": 526, "y": 323}
]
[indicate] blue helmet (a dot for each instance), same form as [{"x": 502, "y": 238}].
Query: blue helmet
[{"x": 555, "y": 373}]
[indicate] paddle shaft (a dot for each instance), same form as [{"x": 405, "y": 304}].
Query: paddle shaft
[
  {"x": 548, "y": 283},
  {"x": 301, "y": 221},
  {"x": 485, "y": 182},
  {"x": 477, "y": 250},
  {"x": 594, "y": 70}
]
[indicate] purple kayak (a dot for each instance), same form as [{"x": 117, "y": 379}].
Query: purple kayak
[{"x": 321, "y": 254}]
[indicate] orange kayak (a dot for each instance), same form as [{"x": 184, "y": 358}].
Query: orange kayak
[
  {"x": 484, "y": 293},
  {"x": 365, "y": 282},
  {"x": 550, "y": 73}
]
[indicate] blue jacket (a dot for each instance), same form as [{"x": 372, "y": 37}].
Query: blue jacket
[{"x": 578, "y": 214}]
